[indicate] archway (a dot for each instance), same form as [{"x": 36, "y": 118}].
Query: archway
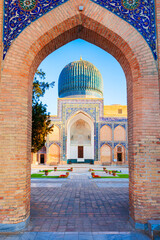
[{"x": 115, "y": 36}]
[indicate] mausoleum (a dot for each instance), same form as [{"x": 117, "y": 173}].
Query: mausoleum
[{"x": 85, "y": 130}]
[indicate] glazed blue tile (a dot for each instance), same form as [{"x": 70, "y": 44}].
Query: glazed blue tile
[
  {"x": 43, "y": 236},
  {"x": 99, "y": 236},
  {"x": 71, "y": 237},
  {"x": 2, "y": 237},
  {"x": 13, "y": 237},
  {"x": 28, "y": 236},
  {"x": 139, "y": 14},
  {"x": 85, "y": 237}
]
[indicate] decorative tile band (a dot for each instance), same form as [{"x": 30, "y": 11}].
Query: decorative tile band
[{"x": 18, "y": 14}]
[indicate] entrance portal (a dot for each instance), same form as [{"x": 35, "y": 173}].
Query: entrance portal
[
  {"x": 119, "y": 157},
  {"x": 42, "y": 159},
  {"x": 80, "y": 151}
]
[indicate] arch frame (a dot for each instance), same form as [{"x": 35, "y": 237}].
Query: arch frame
[{"x": 115, "y": 36}]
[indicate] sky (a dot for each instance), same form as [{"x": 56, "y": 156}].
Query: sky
[{"x": 114, "y": 80}]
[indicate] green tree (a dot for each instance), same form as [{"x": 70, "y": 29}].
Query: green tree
[{"x": 41, "y": 124}]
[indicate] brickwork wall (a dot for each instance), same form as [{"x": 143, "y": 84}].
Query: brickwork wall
[
  {"x": 1, "y": 31},
  {"x": 106, "y": 133},
  {"x": 104, "y": 29},
  {"x": 119, "y": 134}
]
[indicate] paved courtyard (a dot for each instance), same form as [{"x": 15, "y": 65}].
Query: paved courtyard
[{"x": 79, "y": 208}]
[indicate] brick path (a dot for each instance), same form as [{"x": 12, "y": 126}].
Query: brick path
[
  {"x": 79, "y": 204},
  {"x": 79, "y": 208}
]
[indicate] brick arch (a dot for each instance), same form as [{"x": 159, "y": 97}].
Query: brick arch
[
  {"x": 119, "y": 133},
  {"x": 104, "y": 29},
  {"x": 106, "y": 133}
]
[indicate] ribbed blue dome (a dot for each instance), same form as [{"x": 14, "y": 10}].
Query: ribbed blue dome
[{"x": 80, "y": 78}]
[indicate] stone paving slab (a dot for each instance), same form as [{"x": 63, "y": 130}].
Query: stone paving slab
[
  {"x": 75, "y": 236},
  {"x": 112, "y": 185},
  {"x": 46, "y": 185}
]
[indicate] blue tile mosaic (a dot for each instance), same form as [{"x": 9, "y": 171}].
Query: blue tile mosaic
[
  {"x": 122, "y": 125},
  {"x": 120, "y": 143},
  {"x": 106, "y": 142},
  {"x": 55, "y": 142},
  {"x": 20, "y": 13},
  {"x": 114, "y": 119},
  {"x": 139, "y": 13},
  {"x": 106, "y": 124},
  {"x": 71, "y": 111}
]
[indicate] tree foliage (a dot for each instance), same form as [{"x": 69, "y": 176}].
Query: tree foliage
[{"x": 41, "y": 124}]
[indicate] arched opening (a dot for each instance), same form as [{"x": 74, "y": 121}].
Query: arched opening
[
  {"x": 106, "y": 154},
  {"x": 106, "y": 133},
  {"x": 119, "y": 154},
  {"x": 119, "y": 134},
  {"x": 115, "y": 36}
]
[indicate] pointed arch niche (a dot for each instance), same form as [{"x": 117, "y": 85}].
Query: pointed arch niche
[
  {"x": 106, "y": 154},
  {"x": 119, "y": 134},
  {"x": 54, "y": 154},
  {"x": 106, "y": 133}
]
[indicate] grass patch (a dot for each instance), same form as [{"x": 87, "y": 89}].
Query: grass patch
[
  {"x": 47, "y": 170},
  {"x": 36, "y": 175},
  {"x": 123, "y": 175},
  {"x": 119, "y": 176},
  {"x": 104, "y": 171}
]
